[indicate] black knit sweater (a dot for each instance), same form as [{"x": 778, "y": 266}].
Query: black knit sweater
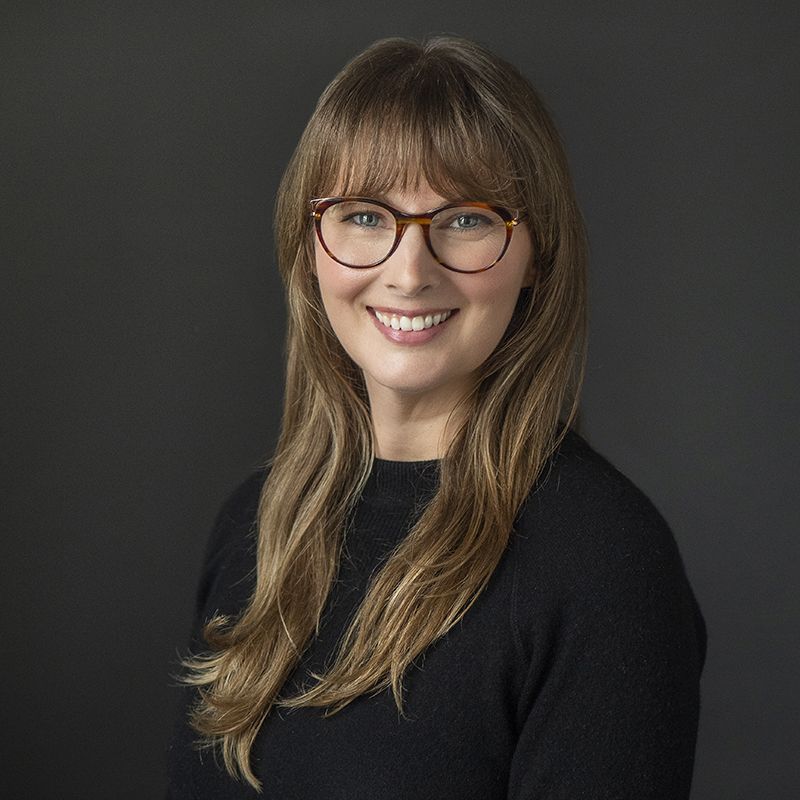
[{"x": 574, "y": 675}]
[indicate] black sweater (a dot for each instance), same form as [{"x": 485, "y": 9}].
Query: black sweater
[{"x": 574, "y": 675}]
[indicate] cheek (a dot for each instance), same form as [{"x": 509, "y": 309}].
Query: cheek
[
  {"x": 501, "y": 286},
  {"x": 342, "y": 291},
  {"x": 338, "y": 283},
  {"x": 496, "y": 295}
]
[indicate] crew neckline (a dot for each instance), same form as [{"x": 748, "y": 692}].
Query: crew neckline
[
  {"x": 393, "y": 482},
  {"x": 423, "y": 462}
]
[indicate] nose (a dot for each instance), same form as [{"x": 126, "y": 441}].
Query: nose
[{"x": 412, "y": 268}]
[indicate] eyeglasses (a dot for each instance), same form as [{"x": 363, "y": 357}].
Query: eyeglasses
[{"x": 361, "y": 232}]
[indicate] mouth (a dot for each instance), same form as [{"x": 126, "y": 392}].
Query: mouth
[{"x": 416, "y": 320}]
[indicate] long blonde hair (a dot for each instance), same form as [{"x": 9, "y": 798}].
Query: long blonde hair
[{"x": 472, "y": 126}]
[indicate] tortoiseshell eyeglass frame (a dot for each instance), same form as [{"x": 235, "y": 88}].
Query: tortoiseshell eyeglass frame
[{"x": 320, "y": 204}]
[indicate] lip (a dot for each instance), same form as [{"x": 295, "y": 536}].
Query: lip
[{"x": 410, "y": 337}]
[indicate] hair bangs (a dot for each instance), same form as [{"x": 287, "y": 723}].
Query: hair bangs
[{"x": 426, "y": 131}]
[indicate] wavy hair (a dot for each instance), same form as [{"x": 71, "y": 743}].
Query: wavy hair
[{"x": 450, "y": 111}]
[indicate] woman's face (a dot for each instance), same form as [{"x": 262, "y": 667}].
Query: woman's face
[{"x": 436, "y": 365}]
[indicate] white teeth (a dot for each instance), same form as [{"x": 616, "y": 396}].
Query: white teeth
[{"x": 404, "y": 323}]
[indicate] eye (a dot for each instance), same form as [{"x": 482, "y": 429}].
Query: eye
[
  {"x": 361, "y": 216},
  {"x": 467, "y": 221},
  {"x": 366, "y": 219},
  {"x": 463, "y": 221}
]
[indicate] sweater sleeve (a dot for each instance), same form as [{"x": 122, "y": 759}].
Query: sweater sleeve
[{"x": 609, "y": 709}]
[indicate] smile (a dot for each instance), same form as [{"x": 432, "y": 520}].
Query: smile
[
  {"x": 411, "y": 328},
  {"x": 416, "y": 323}
]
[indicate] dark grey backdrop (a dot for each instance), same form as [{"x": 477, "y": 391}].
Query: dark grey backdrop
[{"x": 143, "y": 329}]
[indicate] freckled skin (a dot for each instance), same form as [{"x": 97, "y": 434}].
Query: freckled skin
[{"x": 435, "y": 374}]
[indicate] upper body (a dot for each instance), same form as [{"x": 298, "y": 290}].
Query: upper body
[
  {"x": 574, "y": 675},
  {"x": 513, "y": 614}
]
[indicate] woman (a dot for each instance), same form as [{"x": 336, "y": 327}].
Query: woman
[{"x": 436, "y": 588}]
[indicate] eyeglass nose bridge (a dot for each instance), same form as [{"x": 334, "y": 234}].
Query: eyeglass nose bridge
[{"x": 403, "y": 221}]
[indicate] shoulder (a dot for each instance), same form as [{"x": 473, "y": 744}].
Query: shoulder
[
  {"x": 237, "y": 510},
  {"x": 576, "y": 469},
  {"x": 582, "y": 502},
  {"x": 229, "y": 556},
  {"x": 592, "y": 546}
]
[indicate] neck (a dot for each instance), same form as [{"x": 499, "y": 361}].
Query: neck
[{"x": 411, "y": 427}]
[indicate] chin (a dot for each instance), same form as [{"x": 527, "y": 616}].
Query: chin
[
  {"x": 409, "y": 388},
  {"x": 405, "y": 384}
]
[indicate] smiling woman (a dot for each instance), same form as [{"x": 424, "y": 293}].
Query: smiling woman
[{"x": 436, "y": 587}]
